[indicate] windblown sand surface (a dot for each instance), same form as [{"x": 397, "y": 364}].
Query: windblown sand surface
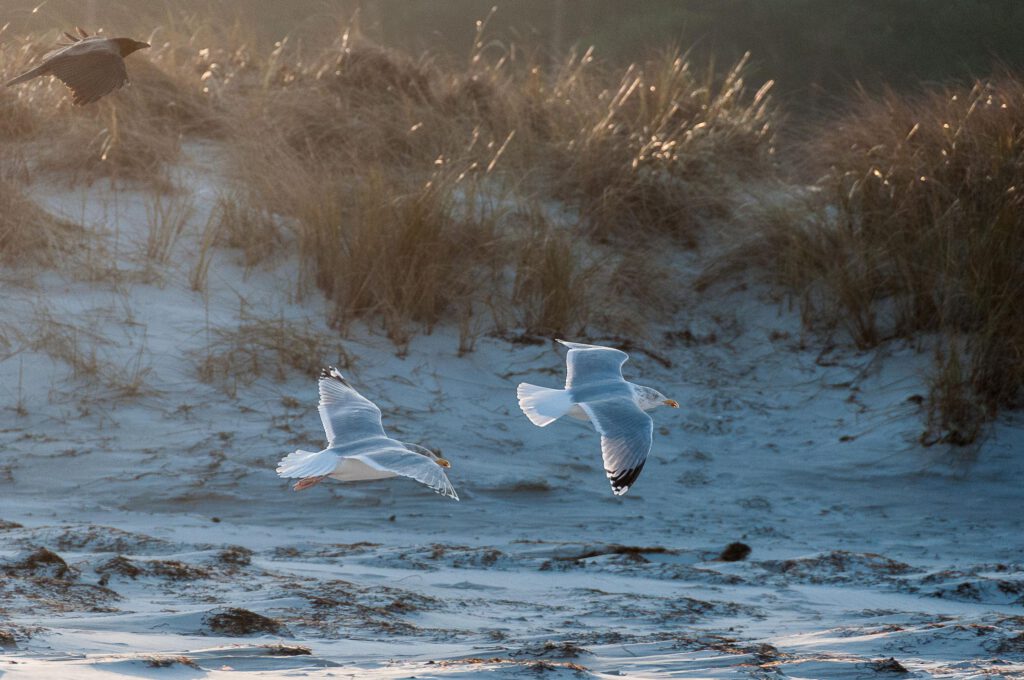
[{"x": 145, "y": 534}]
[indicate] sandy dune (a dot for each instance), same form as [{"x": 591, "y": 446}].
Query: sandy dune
[{"x": 145, "y": 534}]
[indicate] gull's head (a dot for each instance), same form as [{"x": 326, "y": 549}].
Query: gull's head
[
  {"x": 434, "y": 455},
  {"x": 649, "y": 398},
  {"x": 127, "y": 45}
]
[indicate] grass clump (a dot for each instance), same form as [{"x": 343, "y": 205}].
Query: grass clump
[
  {"x": 92, "y": 357},
  {"x": 659, "y": 151},
  {"x": 923, "y": 236},
  {"x": 403, "y": 255},
  {"x": 166, "y": 218},
  {"x": 27, "y": 232},
  {"x": 170, "y": 662},
  {"x": 391, "y": 169},
  {"x": 259, "y": 347},
  {"x": 43, "y": 562},
  {"x": 242, "y": 224},
  {"x": 238, "y": 622},
  {"x": 552, "y": 284}
]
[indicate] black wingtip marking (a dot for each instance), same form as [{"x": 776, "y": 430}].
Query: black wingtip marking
[
  {"x": 622, "y": 481},
  {"x": 333, "y": 373}
]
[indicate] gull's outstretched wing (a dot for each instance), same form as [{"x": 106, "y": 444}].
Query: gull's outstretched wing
[
  {"x": 592, "y": 363},
  {"x": 626, "y": 437},
  {"x": 344, "y": 412},
  {"x": 91, "y": 74},
  {"x": 413, "y": 465}
]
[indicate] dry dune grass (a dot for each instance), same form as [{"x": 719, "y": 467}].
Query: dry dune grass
[
  {"x": 402, "y": 254},
  {"x": 260, "y": 346},
  {"x": 81, "y": 345},
  {"x": 29, "y": 234},
  {"x": 553, "y": 284},
  {"x": 167, "y": 216},
  {"x": 243, "y": 224},
  {"x": 392, "y": 171},
  {"x": 922, "y": 234},
  {"x": 658, "y": 151},
  {"x": 16, "y": 118}
]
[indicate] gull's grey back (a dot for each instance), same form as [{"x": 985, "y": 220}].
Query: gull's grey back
[{"x": 594, "y": 372}]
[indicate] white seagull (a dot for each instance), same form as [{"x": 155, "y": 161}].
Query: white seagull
[
  {"x": 595, "y": 388},
  {"x": 357, "y": 447}
]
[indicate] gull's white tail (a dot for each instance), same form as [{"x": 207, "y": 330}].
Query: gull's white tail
[
  {"x": 543, "y": 405},
  {"x": 307, "y": 464}
]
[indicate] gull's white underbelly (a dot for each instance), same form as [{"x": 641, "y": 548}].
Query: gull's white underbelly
[{"x": 353, "y": 470}]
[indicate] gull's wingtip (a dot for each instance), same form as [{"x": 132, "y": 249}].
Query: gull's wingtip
[
  {"x": 331, "y": 372},
  {"x": 583, "y": 345},
  {"x": 448, "y": 491}
]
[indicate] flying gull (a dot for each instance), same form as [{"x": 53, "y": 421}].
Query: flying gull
[
  {"x": 92, "y": 66},
  {"x": 595, "y": 389},
  {"x": 357, "y": 447}
]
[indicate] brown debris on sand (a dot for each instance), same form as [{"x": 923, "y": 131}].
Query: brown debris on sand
[
  {"x": 734, "y": 552},
  {"x": 615, "y": 549},
  {"x": 7, "y": 640},
  {"x": 168, "y": 661},
  {"x": 538, "y": 666},
  {"x": 235, "y": 555},
  {"x": 889, "y": 665},
  {"x": 287, "y": 650},
  {"x": 566, "y": 649},
  {"x": 41, "y": 562},
  {"x": 120, "y": 565},
  {"x": 238, "y": 622}
]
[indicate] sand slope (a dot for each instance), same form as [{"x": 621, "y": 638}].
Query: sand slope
[{"x": 145, "y": 534}]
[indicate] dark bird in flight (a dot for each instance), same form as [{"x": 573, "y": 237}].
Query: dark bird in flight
[{"x": 91, "y": 66}]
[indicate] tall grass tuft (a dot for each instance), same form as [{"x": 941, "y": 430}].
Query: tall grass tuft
[
  {"x": 258, "y": 346},
  {"x": 386, "y": 165},
  {"x": 167, "y": 216},
  {"x": 552, "y": 284},
  {"x": 244, "y": 224},
  {"x": 29, "y": 233},
  {"x": 923, "y": 235},
  {"x": 406, "y": 254},
  {"x": 660, "y": 150}
]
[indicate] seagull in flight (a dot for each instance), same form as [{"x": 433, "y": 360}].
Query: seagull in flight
[
  {"x": 91, "y": 65},
  {"x": 357, "y": 447},
  {"x": 595, "y": 389}
]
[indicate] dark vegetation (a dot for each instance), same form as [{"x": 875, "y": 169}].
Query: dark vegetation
[
  {"x": 734, "y": 552},
  {"x": 923, "y": 238}
]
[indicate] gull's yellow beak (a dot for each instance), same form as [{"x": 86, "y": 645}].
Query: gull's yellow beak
[
  {"x": 442, "y": 462},
  {"x": 671, "y": 402}
]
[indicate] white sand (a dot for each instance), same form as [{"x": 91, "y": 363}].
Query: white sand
[{"x": 863, "y": 549}]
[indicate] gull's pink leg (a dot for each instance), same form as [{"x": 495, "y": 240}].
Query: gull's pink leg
[{"x": 308, "y": 482}]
